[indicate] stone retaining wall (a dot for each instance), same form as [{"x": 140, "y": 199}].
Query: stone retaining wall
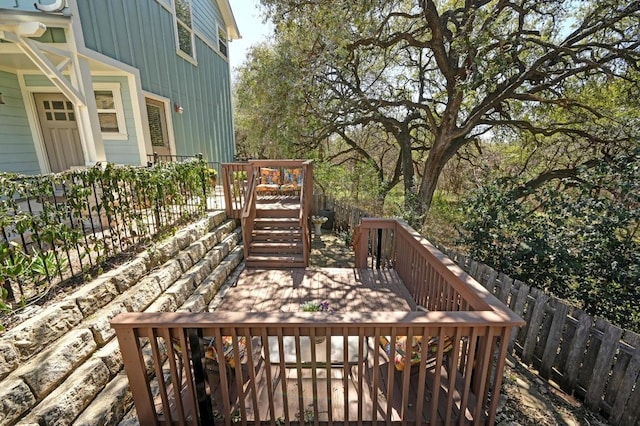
[{"x": 63, "y": 365}]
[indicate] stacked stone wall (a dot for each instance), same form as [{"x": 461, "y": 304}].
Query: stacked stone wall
[{"x": 63, "y": 365}]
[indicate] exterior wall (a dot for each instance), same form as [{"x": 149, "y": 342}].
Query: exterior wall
[
  {"x": 141, "y": 34},
  {"x": 122, "y": 151},
  {"x": 117, "y": 151},
  {"x": 205, "y": 12},
  {"x": 17, "y": 151}
]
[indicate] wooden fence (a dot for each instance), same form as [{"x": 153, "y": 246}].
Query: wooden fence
[{"x": 589, "y": 358}]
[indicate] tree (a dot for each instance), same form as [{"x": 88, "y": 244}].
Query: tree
[
  {"x": 439, "y": 76},
  {"x": 578, "y": 237}
]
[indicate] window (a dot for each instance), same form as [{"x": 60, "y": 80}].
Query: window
[
  {"x": 110, "y": 111},
  {"x": 184, "y": 30},
  {"x": 222, "y": 42}
]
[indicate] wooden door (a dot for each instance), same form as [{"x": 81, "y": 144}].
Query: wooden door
[
  {"x": 59, "y": 131},
  {"x": 158, "y": 127}
]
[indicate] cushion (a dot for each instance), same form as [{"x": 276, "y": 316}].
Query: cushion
[
  {"x": 227, "y": 348},
  {"x": 293, "y": 177},
  {"x": 269, "y": 176},
  {"x": 400, "y": 357}
]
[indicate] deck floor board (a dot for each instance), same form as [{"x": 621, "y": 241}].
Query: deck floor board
[{"x": 335, "y": 392}]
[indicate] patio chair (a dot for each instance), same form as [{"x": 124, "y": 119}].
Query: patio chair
[{"x": 269, "y": 181}]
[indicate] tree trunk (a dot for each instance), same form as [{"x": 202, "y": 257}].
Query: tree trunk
[
  {"x": 439, "y": 155},
  {"x": 404, "y": 139}
]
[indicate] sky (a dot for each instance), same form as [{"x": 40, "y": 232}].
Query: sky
[{"x": 252, "y": 30}]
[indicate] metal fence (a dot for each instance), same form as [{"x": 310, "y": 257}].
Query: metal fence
[{"x": 57, "y": 227}]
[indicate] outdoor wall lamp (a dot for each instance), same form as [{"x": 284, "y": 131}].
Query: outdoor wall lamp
[
  {"x": 1, "y": 101},
  {"x": 178, "y": 108}
]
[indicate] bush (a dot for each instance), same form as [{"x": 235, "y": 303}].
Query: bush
[{"x": 577, "y": 239}]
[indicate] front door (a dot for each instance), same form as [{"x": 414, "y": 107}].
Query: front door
[
  {"x": 59, "y": 131},
  {"x": 158, "y": 127}
]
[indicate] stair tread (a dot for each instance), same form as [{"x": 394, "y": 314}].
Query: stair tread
[
  {"x": 275, "y": 257},
  {"x": 276, "y": 244}
]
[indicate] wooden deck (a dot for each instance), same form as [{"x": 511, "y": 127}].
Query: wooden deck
[
  {"x": 348, "y": 389},
  {"x": 346, "y": 290}
]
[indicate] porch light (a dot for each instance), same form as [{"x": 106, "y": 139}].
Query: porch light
[
  {"x": 178, "y": 108},
  {"x": 1, "y": 101}
]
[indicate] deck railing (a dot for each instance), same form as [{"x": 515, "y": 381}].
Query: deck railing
[
  {"x": 282, "y": 376},
  {"x": 239, "y": 182}
]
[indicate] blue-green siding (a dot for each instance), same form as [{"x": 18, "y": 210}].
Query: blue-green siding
[
  {"x": 141, "y": 34},
  {"x": 122, "y": 151},
  {"x": 205, "y": 12},
  {"x": 17, "y": 152}
]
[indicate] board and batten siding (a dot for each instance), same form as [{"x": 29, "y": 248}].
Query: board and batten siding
[
  {"x": 122, "y": 151},
  {"x": 204, "y": 13},
  {"x": 141, "y": 34},
  {"x": 17, "y": 151}
]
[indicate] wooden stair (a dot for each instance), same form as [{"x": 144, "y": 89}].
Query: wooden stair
[{"x": 276, "y": 237}]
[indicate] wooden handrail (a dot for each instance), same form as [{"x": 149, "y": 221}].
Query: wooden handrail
[
  {"x": 249, "y": 211},
  {"x": 306, "y": 203}
]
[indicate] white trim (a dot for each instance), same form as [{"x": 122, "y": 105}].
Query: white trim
[
  {"x": 193, "y": 59},
  {"x": 226, "y": 41},
  {"x": 169, "y": 118},
  {"x": 32, "y": 118},
  {"x": 118, "y": 109},
  {"x": 229, "y": 20}
]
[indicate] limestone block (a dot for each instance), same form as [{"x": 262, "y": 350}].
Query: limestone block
[
  {"x": 195, "y": 303},
  {"x": 167, "y": 249},
  {"x": 138, "y": 297},
  {"x": 130, "y": 419},
  {"x": 209, "y": 240},
  {"x": 100, "y": 325},
  {"x": 185, "y": 237},
  {"x": 218, "y": 218},
  {"x": 15, "y": 399},
  {"x": 225, "y": 229},
  {"x": 9, "y": 358},
  {"x": 200, "y": 270},
  {"x": 49, "y": 368},
  {"x": 167, "y": 274},
  {"x": 164, "y": 303},
  {"x": 196, "y": 251},
  {"x": 128, "y": 274},
  {"x": 111, "y": 355},
  {"x": 95, "y": 295},
  {"x": 110, "y": 406},
  {"x": 181, "y": 289},
  {"x": 42, "y": 330},
  {"x": 212, "y": 283},
  {"x": 185, "y": 261},
  {"x": 71, "y": 398}
]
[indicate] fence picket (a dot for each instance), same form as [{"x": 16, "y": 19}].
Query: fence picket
[
  {"x": 553, "y": 340},
  {"x": 576, "y": 352},
  {"x": 534, "y": 326},
  {"x": 518, "y": 308},
  {"x": 602, "y": 367},
  {"x": 624, "y": 383},
  {"x": 632, "y": 409},
  {"x": 506, "y": 283}
]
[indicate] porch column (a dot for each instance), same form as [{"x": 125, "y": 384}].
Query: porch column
[{"x": 88, "y": 123}]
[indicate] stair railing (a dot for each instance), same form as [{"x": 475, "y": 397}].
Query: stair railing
[
  {"x": 249, "y": 210},
  {"x": 306, "y": 204}
]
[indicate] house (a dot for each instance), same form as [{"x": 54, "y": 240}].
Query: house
[{"x": 85, "y": 81}]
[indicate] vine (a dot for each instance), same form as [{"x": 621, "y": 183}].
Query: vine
[{"x": 57, "y": 227}]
